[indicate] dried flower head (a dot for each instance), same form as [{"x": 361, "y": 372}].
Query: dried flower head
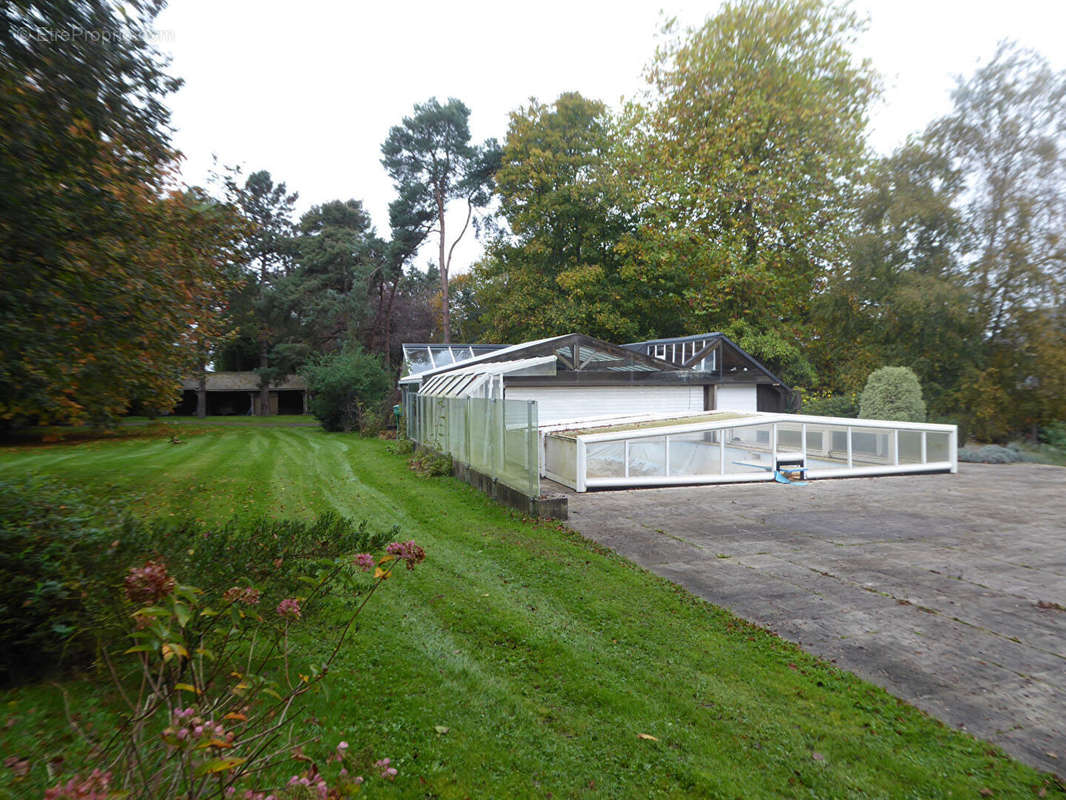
[{"x": 149, "y": 584}]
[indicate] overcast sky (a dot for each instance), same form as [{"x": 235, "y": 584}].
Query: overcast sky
[{"x": 309, "y": 90}]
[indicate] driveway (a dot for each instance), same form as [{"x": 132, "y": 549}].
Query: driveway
[{"x": 947, "y": 590}]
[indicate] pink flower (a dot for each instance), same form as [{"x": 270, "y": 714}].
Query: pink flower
[
  {"x": 387, "y": 772},
  {"x": 364, "y": 561},
  {"x": 242, "y": 594},
  {"x": 289, "y": 608},
  {"x": 149, "y": 584},
  {"x": 410, "y": 552}
]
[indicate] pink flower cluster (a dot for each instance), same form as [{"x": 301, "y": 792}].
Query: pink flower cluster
[
  {"x": 388, "y": 772},
  {"x": 245, "y": 595},
  {"x": 96, "y": 787},
  {"x": 410, "y": 552},
  {"x": 364, "y": 561},
  {"x": 289, "y": 608},
  {"x": 187, "y": 729},
  {"x": 313, "y": 781},
  {"x": 149, "y": 584}
]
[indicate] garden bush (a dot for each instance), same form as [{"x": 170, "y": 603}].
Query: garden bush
[
  {"x": 429, "y": 463},
  {"x": 836, "y": 405},
  {"x": 991, "y": 454},
  {"x": 892, "y": 393},
  {"x": 53, "y": 548},
  {"x": 61, "y": 555},
  {"x": 348, "y": 389},
  {"x": 1054, "y": 435}
]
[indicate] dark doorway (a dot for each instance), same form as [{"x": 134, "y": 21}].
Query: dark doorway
[
  {"x": 186, "y": 407},
  {"x": 770, "y": 398},
  {"x": 228, "y": 404},
  {"x": 290, "y": 401}
]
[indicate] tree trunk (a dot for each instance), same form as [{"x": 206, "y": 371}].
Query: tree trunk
[
  {"x": 201, "y": 392},
  {"x": 445, "y": 310},
  {"x": 264, "y": 386},
  {"x": 388, "y": 322}
]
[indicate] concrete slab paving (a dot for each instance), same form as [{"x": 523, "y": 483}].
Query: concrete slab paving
[{"x": 947, "y": 590}]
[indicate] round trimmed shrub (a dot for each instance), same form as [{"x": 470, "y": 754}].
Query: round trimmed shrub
[{"x": 892, "y": 393}]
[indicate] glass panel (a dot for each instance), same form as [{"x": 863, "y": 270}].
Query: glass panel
[
  {"x": 827, "y": 446},
  {"x": 696, "y": 453},
  {"x": 747, "y": 449},
  {"x": 789, "y": 437},
  {"x": 560, "y": 457},
  {"x": 417, "y": 360},
  {"x": 937, "y": 447},
  {"x": 910, "y": 447},
  {"x": 605, "y": 459},
  {"x": 871, "y": 446},
  {"x": 647, "y": 457},
  {"x": 443, "y": 355}
]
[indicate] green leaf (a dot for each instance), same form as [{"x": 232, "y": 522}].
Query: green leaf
[{"x": 217, "y": 765}]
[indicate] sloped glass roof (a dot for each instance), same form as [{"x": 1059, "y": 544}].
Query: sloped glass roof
[{"x": 422, "y": 357}]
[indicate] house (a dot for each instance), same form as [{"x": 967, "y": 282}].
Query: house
[
  {"x": 237, "y": 393},
  {"x": 578, "y": 375},
  {"x": 588, "y": 414}
]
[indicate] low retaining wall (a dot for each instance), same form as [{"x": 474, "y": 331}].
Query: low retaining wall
[{"x": 545, "y": 506}]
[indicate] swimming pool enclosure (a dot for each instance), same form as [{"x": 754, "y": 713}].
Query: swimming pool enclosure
[{"x": 729, "y": 447}]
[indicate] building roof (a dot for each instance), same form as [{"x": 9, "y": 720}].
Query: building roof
[
  {"x": 422, "y": 357},
  {"x": 695, "y": 352},
  {"x": 240, "y": 382},
  {"x": 574, "y": 352}
]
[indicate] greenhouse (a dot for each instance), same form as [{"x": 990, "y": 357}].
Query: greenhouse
[{"x": 728, "y": 447}]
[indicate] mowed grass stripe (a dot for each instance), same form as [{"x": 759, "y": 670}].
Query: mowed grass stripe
[{"x": 545, "y": 657}]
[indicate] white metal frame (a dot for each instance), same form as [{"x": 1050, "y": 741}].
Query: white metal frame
[{"x": 582, "y": 438}]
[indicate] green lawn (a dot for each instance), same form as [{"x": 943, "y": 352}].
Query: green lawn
[{"x": 544, "y": 656}]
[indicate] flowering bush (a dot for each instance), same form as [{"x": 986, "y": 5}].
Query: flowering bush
[{"x": 218, "y": 686}]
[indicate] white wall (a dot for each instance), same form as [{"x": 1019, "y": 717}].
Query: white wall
[
  {"x": 736, "y": 397},
  {"x": 559, "y": 403}
]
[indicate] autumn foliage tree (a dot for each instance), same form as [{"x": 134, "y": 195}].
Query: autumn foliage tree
[
  {"x": 108, "y": 272},
  {"x": 753, "y": 136}
]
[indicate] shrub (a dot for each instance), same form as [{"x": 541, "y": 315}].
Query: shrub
[
  {"x": 346, "y": 388},
  {"x": 991, "y": 454},
  {"x": 836, "y": 405},
  {"x": 257, "y": 548},
  {"x": 1054, "y": 435},
  {"x": 892, "y": 393},
  {"x": 213, "y": 682},
  {"x": 429, "y": 463},
  {"x": 52, "y": 548},
  {"x": 60, "y": 555}
]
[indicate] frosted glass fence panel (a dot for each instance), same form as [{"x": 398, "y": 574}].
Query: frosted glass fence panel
[{"x": 495, "y": 437}]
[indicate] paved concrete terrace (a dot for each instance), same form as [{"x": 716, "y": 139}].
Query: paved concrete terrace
[{"x": 947, "y": 590}]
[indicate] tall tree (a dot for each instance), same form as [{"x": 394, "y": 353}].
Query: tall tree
[
  {"x": 567, "y": 260},
  {"x": 431, "y": 160},
  {"x": 754, "y": 136},
  {"x": 106, "y": 271},
  {"x": 268, "y": 250},
  {"x": 900, "y": 295},
  {"x": 1007, "y": 137}
]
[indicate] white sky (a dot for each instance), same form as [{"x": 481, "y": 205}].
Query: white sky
[{"x": 309, "y": 90}]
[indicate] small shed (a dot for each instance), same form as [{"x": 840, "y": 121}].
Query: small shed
[{"x": 239, "y": 393}]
